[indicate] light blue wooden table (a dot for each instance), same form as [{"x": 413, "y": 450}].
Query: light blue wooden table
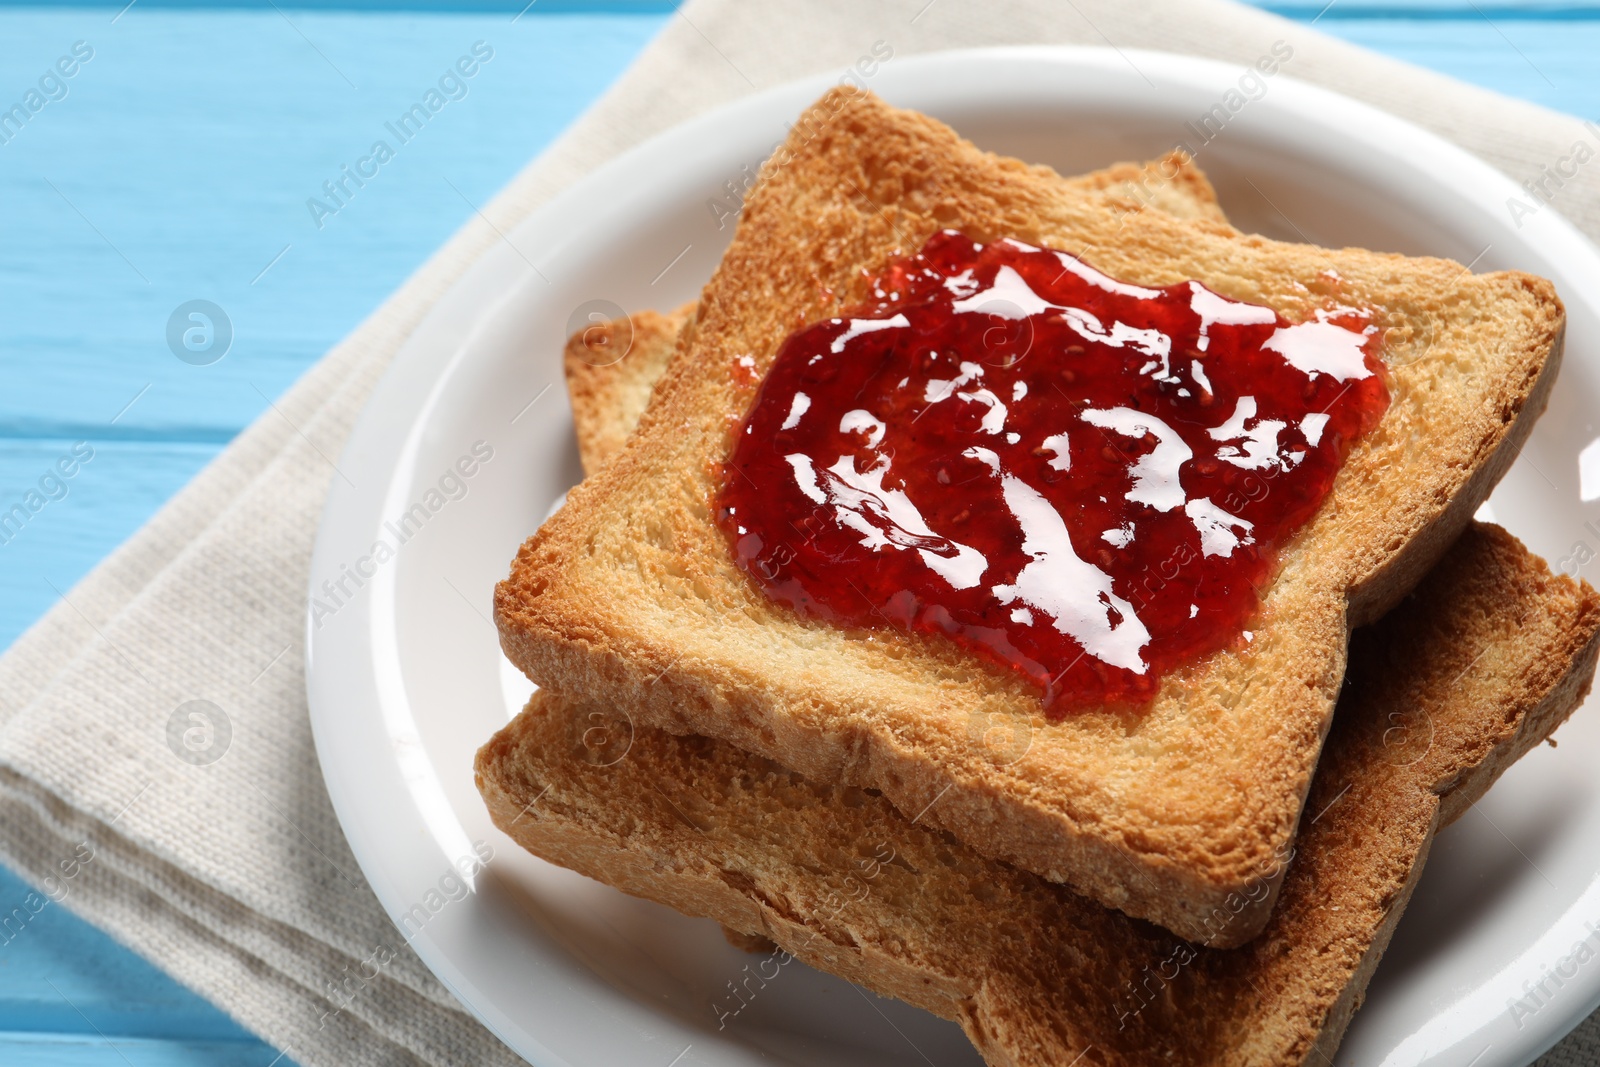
[{"x": 176, "y": 165}]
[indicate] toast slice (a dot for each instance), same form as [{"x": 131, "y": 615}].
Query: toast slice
[
  {"x": 609, "y": 392},
  {"x": 1175, "y": 813},
  {"x": 1484, "y": 661}
]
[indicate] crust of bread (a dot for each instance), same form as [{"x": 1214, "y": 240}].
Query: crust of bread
[
  {"x": 1174, "y": 184},
  {"x": 612, "y": 367},
  {"x": 631, "y": 595},
  {"x": 609, "y": 391},
  {"x": 1488, "y": 656}
]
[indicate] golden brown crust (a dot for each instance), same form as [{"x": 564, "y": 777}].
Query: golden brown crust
[
  {"x": 1173, "y": 184},
  {"x": 1488, "y": 656},
  {"x": 612, "y": 368},
  {"x": 630, "y": 593}
]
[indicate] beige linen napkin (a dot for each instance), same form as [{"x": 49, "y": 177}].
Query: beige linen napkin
[{"x": 233, "y": 874}]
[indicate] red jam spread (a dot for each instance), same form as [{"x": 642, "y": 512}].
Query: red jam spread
[{"x": 1081, "y": 479}]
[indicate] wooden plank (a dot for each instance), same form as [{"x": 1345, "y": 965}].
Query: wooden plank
[
  {"x": 211, "y": 186},
  {"x": 1321, "y": 11},
  {"x": 59, "y": 974},
  {"x": 71, "y": 1050},
  {"x": 1548, "y": 62},
  {"x": 105, "y": 500},
  {"x": 504, "y": 8}
]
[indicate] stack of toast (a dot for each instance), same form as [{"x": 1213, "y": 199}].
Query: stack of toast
[{"x": 1208, "y": 877}]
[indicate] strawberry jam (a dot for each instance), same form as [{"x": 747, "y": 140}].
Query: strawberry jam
[{"x": 1078, "y": 478}]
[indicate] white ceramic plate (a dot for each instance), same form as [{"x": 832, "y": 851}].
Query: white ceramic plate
[{"x": 406, "y": 678}]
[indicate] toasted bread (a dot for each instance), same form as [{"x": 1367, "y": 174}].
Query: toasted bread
[
  {"x": 609, "y": 391},
  {"x": 1486, "y": 659},
  {"x": 630, "y": 594}
]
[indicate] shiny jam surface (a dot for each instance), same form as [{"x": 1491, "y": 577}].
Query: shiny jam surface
[{"x": 1081, "y": 479}]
